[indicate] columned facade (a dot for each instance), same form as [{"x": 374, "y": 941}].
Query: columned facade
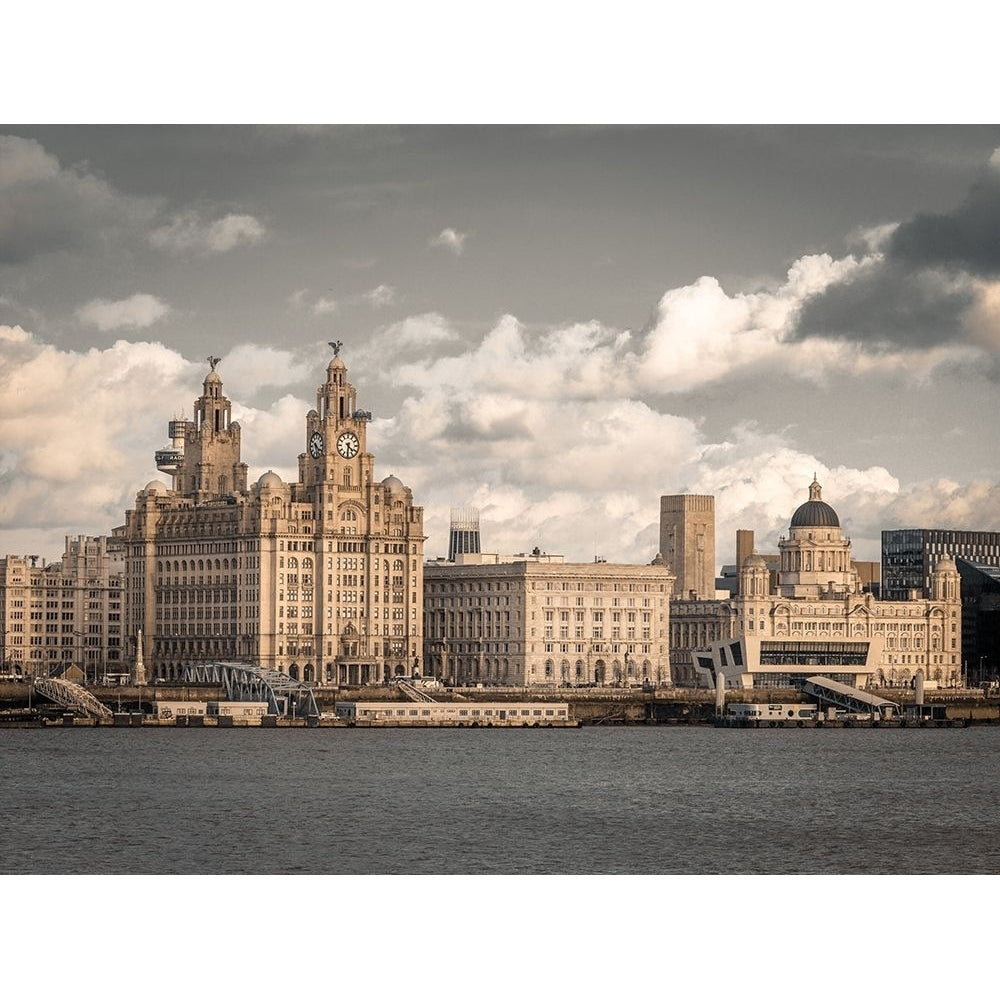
[
  {"x": 818, "y": 619},
  {"x": 531, "y": 623}
]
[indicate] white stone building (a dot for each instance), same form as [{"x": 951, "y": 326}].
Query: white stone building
[
  {"x": 54, "y": 616},
  {"x": 536, "y": 621},
  {"x": 819, "y": 620}
]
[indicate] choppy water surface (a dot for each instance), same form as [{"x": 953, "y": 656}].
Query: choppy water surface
[{"x": 656, "y": 800}]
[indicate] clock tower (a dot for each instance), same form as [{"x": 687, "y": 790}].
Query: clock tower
[
  {"x": 336, "y": 452},
  {"x": 320, "y": 579}
]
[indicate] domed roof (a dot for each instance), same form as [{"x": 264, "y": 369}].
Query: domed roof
[
  {"x": 393, "y": 484},
  {"x": 815, "y": 513},
  {"x": 270, "y": 480},
  {"x": 754, "y": 561},
  {"x": 155, "y": 486},
  {"x": 213, "y": 376},
  {"x": 335, "y": 364},
  {"x": 946, "y": 565}
]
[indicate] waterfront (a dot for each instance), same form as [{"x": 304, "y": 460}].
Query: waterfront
[{"x": 639, "y": 800}]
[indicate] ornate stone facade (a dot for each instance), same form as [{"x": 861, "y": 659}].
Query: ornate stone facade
[
  {"x": 541, "y": 622},
  {"x": 819, "y": 605},
  {"x": 321, "y": 579}
]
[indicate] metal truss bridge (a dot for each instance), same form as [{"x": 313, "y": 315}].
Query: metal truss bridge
[
  {"x": 851, "y": 699},
  {"x": 284, "y": 696},
  {"x": 72, "y": 696}
]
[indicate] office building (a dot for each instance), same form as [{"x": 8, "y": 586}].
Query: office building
[
  {"x": 533, "y": 620},
  {"x": 980, "y": 588},
  {"x": 321, "y": 578},
  {"x": 909, "y": 556},
  {"x": 818, "y": 619},
  {"x": 66, "y": 614}
]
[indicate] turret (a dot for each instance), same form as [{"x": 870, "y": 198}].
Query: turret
[
  {"x": 204, "y": 458},
  {"x": 945, "y": 581}
]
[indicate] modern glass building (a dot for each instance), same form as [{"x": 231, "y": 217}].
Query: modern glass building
[
  {"x": 980, "y": 589},
  {"x": 909, "y": 556}
]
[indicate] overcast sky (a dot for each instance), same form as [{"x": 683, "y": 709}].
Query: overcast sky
[{"x": 556, "y": 325}]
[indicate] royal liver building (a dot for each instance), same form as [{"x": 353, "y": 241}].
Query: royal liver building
[{"x": 321, "y": 579}]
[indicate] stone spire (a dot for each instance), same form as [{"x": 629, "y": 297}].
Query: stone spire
[{"x": 139, "y": 669}]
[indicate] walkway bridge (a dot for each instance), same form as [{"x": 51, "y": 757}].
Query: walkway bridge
[
  {"x": 850, "y": 699},
  {"x": 72, "y": 696},
  {"x": 411, "y": 692},
  {"x": 283, "y": 694}
]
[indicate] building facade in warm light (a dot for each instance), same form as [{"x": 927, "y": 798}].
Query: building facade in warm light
[
  {"x": 63, "y": 614},
  {"x": 819, "y": 619},
  {"x": 536, "y": 621},
  {"x": 321, "y": 579}
]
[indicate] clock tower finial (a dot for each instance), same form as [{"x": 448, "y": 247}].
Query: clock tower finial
[{"x": 336, "y": 345}]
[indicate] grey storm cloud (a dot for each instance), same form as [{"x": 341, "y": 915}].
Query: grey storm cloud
[
  {"x": 920, "y": 292},
  {"x": 46, "y": 208},
  {"x": 889, "y": 303},
  {"x": 965, "y": 239}
]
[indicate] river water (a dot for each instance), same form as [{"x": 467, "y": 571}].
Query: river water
[{"x": 637, "y": 800}]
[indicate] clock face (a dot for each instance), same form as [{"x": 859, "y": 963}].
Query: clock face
[
  {"x": 348, "y": 445},
  {"x": 316, "y": 444}
]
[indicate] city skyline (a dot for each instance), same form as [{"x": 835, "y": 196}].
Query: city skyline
[{"x": 554, "y": 325}]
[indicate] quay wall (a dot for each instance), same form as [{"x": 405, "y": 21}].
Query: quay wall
[{"x": 589, "y": 706}]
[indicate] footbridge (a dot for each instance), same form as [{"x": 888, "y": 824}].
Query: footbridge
[
  {"x": 283, "y": 694},
  {"x": 850, "y": 699},
  {"x": 411, "y": 692},
  {"x": 72, "y": 696}
]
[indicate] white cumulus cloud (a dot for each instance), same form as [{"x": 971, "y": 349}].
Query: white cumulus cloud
[
  {"x": 136, "y": 312},
  {"x": 75, "y": 467},
  {"x": 381, "y": 295},
  {"x": 324, "y": 306},
  {"x": 450, "y": 239},
  {"x": 188, "y": 231}
]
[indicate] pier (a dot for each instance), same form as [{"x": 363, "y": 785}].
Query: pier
[{"x": 22, "y": 706}]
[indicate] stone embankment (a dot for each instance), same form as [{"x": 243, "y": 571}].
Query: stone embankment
[{"x": 589, "y": 706}]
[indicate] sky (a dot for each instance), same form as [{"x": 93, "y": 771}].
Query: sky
[{"x": 553, "y": 324}]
